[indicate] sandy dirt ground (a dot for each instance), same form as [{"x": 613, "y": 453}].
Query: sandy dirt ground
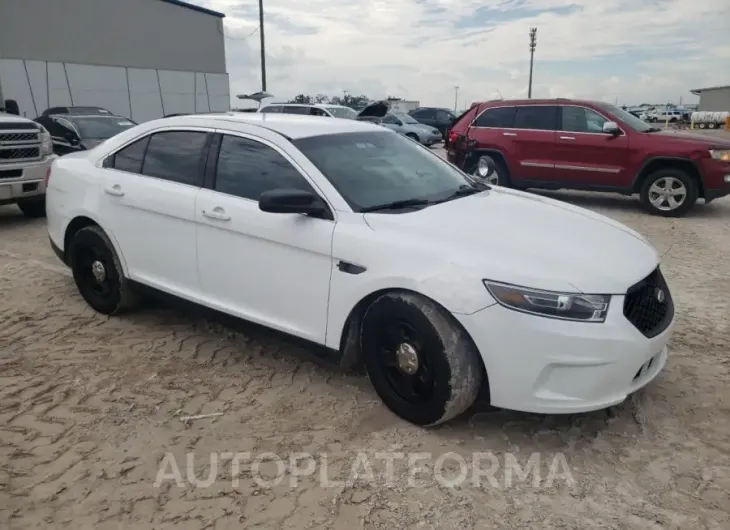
[{"x": 92, "y": 408}]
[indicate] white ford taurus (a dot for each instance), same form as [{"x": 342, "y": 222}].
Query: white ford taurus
[{"x": 351, "y": 236}]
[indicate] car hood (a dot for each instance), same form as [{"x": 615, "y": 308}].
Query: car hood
[
  {"x": 528, "y": 240},
  {"x": 374, "y": 111},
  {"x": 12, "y": 118},
  {"x": 704, "y": 139}
]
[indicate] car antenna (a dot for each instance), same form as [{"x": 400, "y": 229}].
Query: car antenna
[{"x": 500, "y": 94}]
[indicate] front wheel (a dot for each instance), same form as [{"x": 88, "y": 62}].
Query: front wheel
[
  {"x": 421, "y": 363},
  {"x": 33, "y": 208},
  {"x": 98, "y": 273},
  {"x": 669, "y": 192},
  {"x": 413, "y": 137}
]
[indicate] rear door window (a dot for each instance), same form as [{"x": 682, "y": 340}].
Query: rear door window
[
  {"x": 538, "y": 117},
  {"x": 175, "y": 156},
  {"x": 296, "y": 110},
  {"x": 499, "y": 117},
  {"x": 271, "y": 108}
]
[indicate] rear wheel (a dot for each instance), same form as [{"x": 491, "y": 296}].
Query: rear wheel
[
  {"x": 421, "y": 363},
  {"x": 500, "y": 175},
  {"x": 33, "y": 208},
  {"x": 669, "y": 192},
  {"x": 98, "y": 273}
]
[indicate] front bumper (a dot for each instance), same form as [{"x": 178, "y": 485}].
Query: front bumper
[
  {"x": 548, "y": 366},
  {"x": 717, "y": 178},
  {"x": 23, "y": 180},
  {"x": 431, "y": 139}
]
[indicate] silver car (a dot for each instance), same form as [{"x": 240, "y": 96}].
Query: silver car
[{"x": 407, "y": 126}]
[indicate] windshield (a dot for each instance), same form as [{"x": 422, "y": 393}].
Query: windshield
[
  {"x": 405, "y": 118},
  {"x": 628, "y": 118},
  {"x": 101, "y": 127},
  {"x": 371, "y": 169},
  {"x": 342, "y": 112}
]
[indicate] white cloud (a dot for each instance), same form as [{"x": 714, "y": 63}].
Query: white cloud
[{"x": 633, "y": 50}]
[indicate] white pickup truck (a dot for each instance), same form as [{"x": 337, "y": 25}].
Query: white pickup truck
[{"x": 26, "y": 154}]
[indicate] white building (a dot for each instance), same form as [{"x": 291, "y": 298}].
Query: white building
[{"x": 142, "y": 59}]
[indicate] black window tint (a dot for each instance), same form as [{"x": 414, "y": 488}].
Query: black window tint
[
  {"x": 314, "y": 111},
  {"x": 538, "y": 117},
  {"x": 175, "y": 156},
  {"x": 425, "y": 113},
  {"x": 442, "y": 116},
  {"x": 271, "y": 108},
  {"x": 130, "y": 158},
  {"x": 502, "y": 117},
  {"x": 247, "y": 168},
  {"x": 579, "y": 119},
  {"x": 296, "y": 110}
]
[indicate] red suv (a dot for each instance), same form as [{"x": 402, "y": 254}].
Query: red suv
[{"x": 587, "y": 145}]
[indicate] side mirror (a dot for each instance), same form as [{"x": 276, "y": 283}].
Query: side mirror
[
  {"x": 611, "y": 127},
  {"x": 292, "y": 201}
]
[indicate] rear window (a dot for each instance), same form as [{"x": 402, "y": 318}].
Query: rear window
[
  {"x": 463, "y": 120},
  {"x": 498, "y": 117}
]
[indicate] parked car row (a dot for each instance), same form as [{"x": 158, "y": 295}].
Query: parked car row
[
  {"x": 345, "y": 234},
  {"x": 585, "y": 145}
]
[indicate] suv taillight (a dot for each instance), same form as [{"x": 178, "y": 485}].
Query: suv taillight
[
  {"x": 48, "y": 177},
  {"x": 453, "y": 136}
]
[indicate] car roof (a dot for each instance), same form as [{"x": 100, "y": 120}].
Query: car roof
[
  {"x": 74, "y": 116},
  {"x": 290, "y": 125},
  {"x": 553, "y": 101}
]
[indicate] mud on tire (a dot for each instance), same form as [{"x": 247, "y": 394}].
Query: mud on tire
[
  {"x": 90, "y": 245},
  {"x": 449, "y": 373}
]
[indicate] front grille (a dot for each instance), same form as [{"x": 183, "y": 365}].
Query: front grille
[
  {"x": 648, "y": 305},
  {"x": 18, "y": 137},
  {"x": 18, "y": 125},
  {"x": 19, "y": 153}
]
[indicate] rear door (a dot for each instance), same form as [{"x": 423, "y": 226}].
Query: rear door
[
  {"x": 533, "y": 143},
  {"x": 148, "y": 198},
  {"x": 585, "y": 155}
]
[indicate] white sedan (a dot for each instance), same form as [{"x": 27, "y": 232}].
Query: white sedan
[{"x": 350, "y": 236}]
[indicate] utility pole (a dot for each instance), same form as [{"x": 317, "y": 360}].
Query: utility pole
[
  {"x": 263, "y": 46},
  {"x": 533, "y": 45},
  {"x": 456, "y": 97}
]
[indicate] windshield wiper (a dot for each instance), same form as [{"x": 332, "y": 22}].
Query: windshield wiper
[
  {"x": 397, "y": 205},
  {"x": 464, "y": 191}
]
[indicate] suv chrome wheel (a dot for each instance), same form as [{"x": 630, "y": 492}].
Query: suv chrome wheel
[{"x": 667, "y": 194}]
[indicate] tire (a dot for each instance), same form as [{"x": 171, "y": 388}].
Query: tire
[
  {"x": 502, "y": 173},
  {"x": 448, "y": 372},
  {"x": 710, "y": 125},
  {"x": 413, "y": 136},
  {"x": 33, "y": 208},
  {"x": 114, "y": 294},
  {"x": 671, "y": 178},
  {"x": 701, "y": 125}
]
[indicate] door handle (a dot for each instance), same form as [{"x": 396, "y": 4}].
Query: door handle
[
  {"x": 115, "y": 190},
  {"x": 567, "y": 138},
  {"x": 217, "y": 213},
  {"x": 509, "y": 134}
]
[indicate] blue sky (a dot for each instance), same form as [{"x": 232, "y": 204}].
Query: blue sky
[{"x": 630, "y": 51}]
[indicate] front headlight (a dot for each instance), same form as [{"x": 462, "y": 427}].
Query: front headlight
[
  {"x": 720, "y": 154},
  {"x": 565, "y": 306},
  {"x": 46, "y": 142}
]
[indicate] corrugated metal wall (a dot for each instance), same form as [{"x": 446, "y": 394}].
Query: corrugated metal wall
[
  {"x": 715, "y": 100},
  {"x": 137, "y": 93},
  {"x": 134, "y": 33}
]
